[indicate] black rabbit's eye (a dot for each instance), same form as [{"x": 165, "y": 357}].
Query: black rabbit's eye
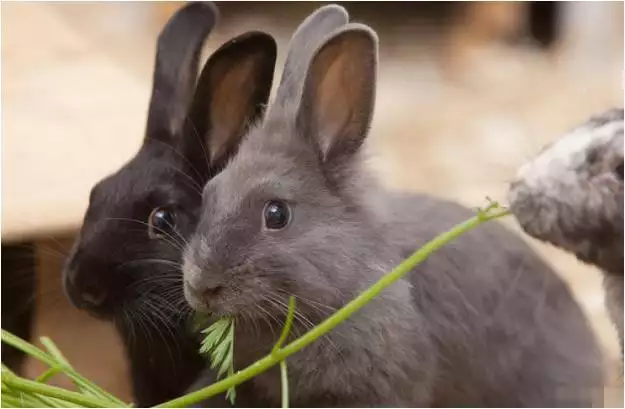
[
  {"x": 161, "y": 222},
  {"x": 619, "y": 171},
  {"x": 276, "y": 214}
]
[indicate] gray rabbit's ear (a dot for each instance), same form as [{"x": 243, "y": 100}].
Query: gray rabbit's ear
[
  {"x": 339, "y": 93},
  {"x": 175, "y": 72},
  {"x": 307, "y": 38},
  {"x": 231, "y": 95}
]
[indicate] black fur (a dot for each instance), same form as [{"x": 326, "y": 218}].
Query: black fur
[{"x": 118, "y": 269}]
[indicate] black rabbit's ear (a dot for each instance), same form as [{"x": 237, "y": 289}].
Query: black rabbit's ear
[
  {"x": 339, "y": 93},
  {"x": 175, "y": 72},
  {"x": 230, "y": 96}
]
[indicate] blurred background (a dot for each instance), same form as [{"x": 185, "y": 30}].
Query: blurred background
[{"x": 467, "y": 93}]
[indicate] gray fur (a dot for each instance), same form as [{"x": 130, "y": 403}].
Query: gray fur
[
  {"x": 482, "y": 322},
  {"x": 573, "y": 199}
]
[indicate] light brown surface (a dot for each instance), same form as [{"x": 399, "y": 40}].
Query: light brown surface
[
  {"x": 75, "y": 89},
  {"x": 70, "y": 115}
]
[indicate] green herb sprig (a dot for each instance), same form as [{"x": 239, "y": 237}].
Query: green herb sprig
[
  {"x": 492, "y": 211},
  {"x": 284, "y": 378},
  {"x": 28, "y": 393},
  {"x": 218, "y": 343},
  {"x": 218, "y": 346}
]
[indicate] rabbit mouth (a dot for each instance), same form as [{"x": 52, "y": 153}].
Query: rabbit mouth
[
  {"x": 197, "y": 298},
  {"x": 218, "y": 292},
  {"x": 219, "y": 300}
]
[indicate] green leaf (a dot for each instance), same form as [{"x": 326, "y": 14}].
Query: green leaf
[
  {"x": 215, "y": 334},
  {"x": 231, "y": 395},
  {"x": 225, "y": 366},
  {"x": 218, "y": 345},
  {"x": 219, "y": 326},
  {"x": 220, "y": 354},
  {"x": 209, "y": 346}
]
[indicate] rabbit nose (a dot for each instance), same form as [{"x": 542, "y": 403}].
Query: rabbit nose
[
  {"x": 206, "y": 292},
  {"x": 94, "y": 298},
  {"x": 87, "y": 294}
]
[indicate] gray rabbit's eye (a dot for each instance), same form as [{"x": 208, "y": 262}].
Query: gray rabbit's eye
[
  {"x": 276, "y": 214},
  {"x": 161, "y": 223}
]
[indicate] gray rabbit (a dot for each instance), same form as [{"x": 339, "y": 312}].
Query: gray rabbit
[
  {"x": 305, "y": 40},
  {"x": 571, "y": 195},
  {"x": 482, "y": 322}
]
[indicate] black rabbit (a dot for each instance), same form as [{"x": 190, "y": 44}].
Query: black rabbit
[{"x": 124, "y": 266}]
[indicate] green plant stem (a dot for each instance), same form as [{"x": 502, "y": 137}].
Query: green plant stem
[
  {"x": 27, "y": 348},
  {"x": 283, "y": 336},
  {"x": 285, "y": 384},
  {"x": 25, "y": 385},
  {"x": 53, "y": 403},
  {"x": 60, "y": 358},
  {"x": 34, "y": 400},
  {"x": 287, "y": 325},
  {"x": 48, "y": 374},
  {"x": 25, "y": 400},
  {"x": 9, "y": 401},
  {"x": 341, "y": 315},
  {"x": 54, "y": 351},
  {"x": 52, "y": 362}
]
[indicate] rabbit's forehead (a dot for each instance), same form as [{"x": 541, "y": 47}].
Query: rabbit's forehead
[
  {"x": 139, "y": 184},
  {"x": 255, "y": 174},
  {"x": 271, "y": 160},
  {"x": 573, "y": 156}
]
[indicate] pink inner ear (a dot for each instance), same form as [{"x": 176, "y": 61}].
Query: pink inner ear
[
  {"x": 339, "y": 93},
  {"x": 335, "y": 105},
  {"x": 229, "y": 111}
]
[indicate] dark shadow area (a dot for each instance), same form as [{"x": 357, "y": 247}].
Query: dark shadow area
[
  {"x": 543, "y": 24},
  {"x": 18, "y": 295}
]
